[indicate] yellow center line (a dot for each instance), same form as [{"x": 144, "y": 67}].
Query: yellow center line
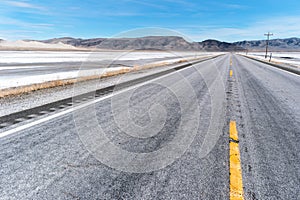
[
  {"x": 233, "y": 131},
  {"x": 236, "y": 182}
]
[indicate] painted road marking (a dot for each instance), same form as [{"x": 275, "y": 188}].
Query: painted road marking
[
  {"x": 83, "y": 105},
  {"x": 275, "y": 68},
  {"x": 231, "y": 72},
  {"x": 233, "y": 131},
  {"x": 236, "y": 182}
]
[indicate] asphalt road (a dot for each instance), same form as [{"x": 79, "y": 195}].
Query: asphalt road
[
  {"x": 270, "y": 114},
  {"x": 166, "y": 139},
  {"x": 24, "y": 69}
]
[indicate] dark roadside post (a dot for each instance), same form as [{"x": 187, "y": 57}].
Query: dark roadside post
[{"x": 267, "y": 43}]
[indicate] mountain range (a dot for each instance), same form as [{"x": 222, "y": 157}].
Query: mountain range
[
  {"x": 289, "y": 44},
  {"x": 147, "y": 43},
  {"x": 174, "y": 43}
]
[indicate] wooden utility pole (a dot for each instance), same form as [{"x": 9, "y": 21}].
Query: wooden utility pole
[{"x": 267, "y": 42}]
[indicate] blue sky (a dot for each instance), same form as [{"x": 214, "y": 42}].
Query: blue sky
[{"x": 226, "y": 20}]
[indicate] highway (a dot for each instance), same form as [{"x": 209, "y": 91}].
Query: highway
[{"x": 182, "y": 135}]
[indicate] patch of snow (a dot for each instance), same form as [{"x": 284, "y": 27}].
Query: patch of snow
[
  {"x": 30, "y": 57},
  {"x": 16, "y": 81},
  {"x": 290, "y": 58}
]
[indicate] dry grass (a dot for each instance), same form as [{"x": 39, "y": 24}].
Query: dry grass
[
  {"x": 34, "y": 87},
  {"x": 56, "y": 83}
]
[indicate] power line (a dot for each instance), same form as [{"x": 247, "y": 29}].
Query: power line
[{"x": 267, "y": 45}]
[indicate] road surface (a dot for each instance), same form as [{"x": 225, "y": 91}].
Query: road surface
[{"x": 119, "y": 147}]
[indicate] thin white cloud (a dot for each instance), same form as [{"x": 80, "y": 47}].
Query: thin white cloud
[
  {"x": 146, "y": 3},
  {"x": 22, "y": 4},
  {"x": 281, "y": 27},
  {"x": 234, "y": 6},
  {"x": 23, "y": 24},
  {"x": 182, "y": 3},
  {"x": 18, "y": 34},
  {"x": 119, "y": 14}
]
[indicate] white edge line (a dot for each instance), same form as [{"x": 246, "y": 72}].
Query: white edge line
[
  {"x": 283, "y": 70},
  {"x": 273, "y": 67},
  {"x": 39, "y": 121}
]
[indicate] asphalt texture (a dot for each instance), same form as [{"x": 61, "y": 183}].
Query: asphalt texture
[
  {"x": 25, "y": 69},
  {"x": 119, "y": 148},
  {"x": 270, "y": 136}
]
